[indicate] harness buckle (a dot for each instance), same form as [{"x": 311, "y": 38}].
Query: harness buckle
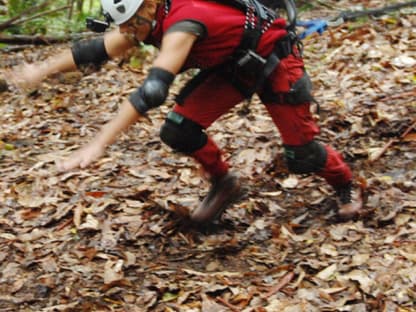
[{"x": 250, "y": 61}]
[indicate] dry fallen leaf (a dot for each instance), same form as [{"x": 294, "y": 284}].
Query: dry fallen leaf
[
  {"x": 113, "y": 271},
  {"x": 116, "y": 236},
  {"x": 365, "y": 282},
  {"x": 328, "y": 273},
  {"x": 90, "y": 223}
]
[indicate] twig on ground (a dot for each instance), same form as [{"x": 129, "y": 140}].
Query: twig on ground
[
  {"x": 406, "y": 94},
  {"x": 283, "y": 282},
  {"x": 391, "y": 141},
  {"x": 227, "y": 304}
]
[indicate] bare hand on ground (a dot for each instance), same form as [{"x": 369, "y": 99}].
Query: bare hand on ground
[
  {"x": 82, "y": 158},
  {"x": 26, "y": 76}
]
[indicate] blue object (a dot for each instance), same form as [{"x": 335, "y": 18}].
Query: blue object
[{"x": 312, "y": 26}]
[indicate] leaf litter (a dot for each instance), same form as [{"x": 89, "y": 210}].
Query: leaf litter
[{"x": 115, "y": 236}]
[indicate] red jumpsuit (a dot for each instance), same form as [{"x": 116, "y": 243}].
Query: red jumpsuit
[{"x": 215, "y": 96}]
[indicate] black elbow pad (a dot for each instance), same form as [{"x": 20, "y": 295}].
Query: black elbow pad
[
  {"x": 154, "y": 90},
  {"x": 87, "y": 52}
]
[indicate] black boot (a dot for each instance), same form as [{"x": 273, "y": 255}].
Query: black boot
[
  {"x": 223, "y": 191},
  {"x": 350, "y": 202}
]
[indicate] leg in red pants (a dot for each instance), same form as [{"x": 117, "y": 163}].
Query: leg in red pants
[
  {"x": 209, "y": 101},
  {"x": 215, "y": 96},
  {"x": 298, "y": 130}
]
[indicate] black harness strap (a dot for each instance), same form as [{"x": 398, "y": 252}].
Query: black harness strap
[
  {"x": 192, "y": 84},
  {"x": 247, "y": 70}
]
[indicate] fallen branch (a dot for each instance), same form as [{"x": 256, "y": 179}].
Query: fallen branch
[
  {"x": 391, "y": 141},
  {"x": 24, "y": 20},
  {"x": 15, "y": 48},
  {"x": 36, "y": 39},
  {"x": 283, "y": 282},
  {"x": 41, "y": 39}
]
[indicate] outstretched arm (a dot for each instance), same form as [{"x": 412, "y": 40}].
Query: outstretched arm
[
  {"x": 174, "y": 51},
  {"x": 126, "y": 116},
  {"x": 30, "y": 75}
]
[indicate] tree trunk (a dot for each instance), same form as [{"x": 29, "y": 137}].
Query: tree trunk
[
  {"x": 71, "y": 8},
  {"x": 80, "y": 5}
]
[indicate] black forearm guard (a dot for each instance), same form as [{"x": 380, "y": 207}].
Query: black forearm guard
[
  {"x": 154, "y": 90},
  {"x": 87, "y": 52}
]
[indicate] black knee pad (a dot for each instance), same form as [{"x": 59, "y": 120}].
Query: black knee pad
[
  {"x": 182, "y": 134},
  {"x": 306, "y": 158}
]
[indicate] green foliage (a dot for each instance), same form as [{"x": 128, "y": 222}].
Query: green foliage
[
  {"x": 304, "y": 7},
  {"x": 55, "y": 23},
  {"x": 17, "y": 6}
]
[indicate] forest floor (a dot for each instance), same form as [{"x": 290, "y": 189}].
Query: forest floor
[{"x": 115, "y": 236}]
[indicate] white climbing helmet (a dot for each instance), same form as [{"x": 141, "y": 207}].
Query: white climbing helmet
[{"x": 121, "y": 10}]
